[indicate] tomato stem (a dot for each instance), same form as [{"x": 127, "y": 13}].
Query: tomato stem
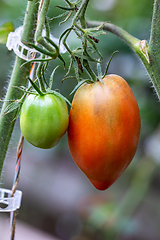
[
  {"x": 68, "y": 2},
  {"x": 148, "y": 54},
  {"x": 89, "y": 70},
  {"x": 36, "y": 87},
  {"x": 39, "y": 74},
  {"x": 19, "y": 77},
  {"x": 154, "y": 48},
  {"x": 81, "y": 14}
]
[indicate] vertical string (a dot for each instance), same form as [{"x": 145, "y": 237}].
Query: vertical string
[
  {"x": 15, "y": 184},
  {"x": 17, "y": 171},
  {"x": 19, "y": 154}
]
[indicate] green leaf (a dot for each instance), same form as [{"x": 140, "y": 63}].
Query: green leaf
[
  {"x": 108, "y": 64},
  {"x": 64, "y": 33},
  {"x": 5, "y": 29},
  {"x": 78, "y": 85},
  {"x": 65, "y": 8},
  {"x": 68, "y": 77},
  {"x": 99, "y": 70},
  {"x": 93, "y": 45},
  {"x": 11, "y": 107},
  {"x": 62, "y": 59},
  {"x": 35, "y": 87},
  {"x": 52, "y": 76},
  {"x": 42, "y": 50},
  {"x": 61, "y": 96},
  {"x": 37, "y": 60},
  {"x": 53, "y": 44},
  {"x": 59, "y": 16}
]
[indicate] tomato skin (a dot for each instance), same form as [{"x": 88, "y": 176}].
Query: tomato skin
[
  {"x": 44, "y": 120},
  {"x": 104, "y": 129}
]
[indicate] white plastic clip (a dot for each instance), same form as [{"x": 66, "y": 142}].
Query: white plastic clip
[
  {"x": 24, "y": 52},
  {"x": 8, "y": 203}
]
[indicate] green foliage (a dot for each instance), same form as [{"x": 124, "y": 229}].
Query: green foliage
[{"x": 131, "y": 15}]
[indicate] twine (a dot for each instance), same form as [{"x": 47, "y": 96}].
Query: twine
[
  {"x": 19, "y": 153},
  {"x": 15, "y": 184}
]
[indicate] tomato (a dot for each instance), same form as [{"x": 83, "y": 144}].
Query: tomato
[
  {"x": 104, "y": 129},
  {"x": 44, "y": 120}
]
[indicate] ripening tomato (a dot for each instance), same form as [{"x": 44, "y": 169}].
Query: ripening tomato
[
  {"x": 104, "y": 129},
  {"x": 44, "y": 119}
]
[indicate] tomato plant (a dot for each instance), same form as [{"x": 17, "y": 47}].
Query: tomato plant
[
  {"x": 104, "y": 129},
  {"x": 44, "y": 119}
]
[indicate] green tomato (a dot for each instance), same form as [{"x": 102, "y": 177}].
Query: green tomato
[{"x": 44, "y": 120}]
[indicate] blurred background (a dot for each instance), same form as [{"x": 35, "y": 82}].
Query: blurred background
[{"x": 58, "y": 201}]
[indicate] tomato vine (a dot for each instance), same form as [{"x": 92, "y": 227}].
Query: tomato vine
[{"x": 36, "y": 21}]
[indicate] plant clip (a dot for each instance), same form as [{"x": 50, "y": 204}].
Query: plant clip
[
  {"x": 23, "y": 51},
  {"x": 9, "y": 203}
]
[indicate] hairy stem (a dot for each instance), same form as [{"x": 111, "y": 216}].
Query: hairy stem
[
  {"x": 154, "y": 47},
  {"x": 149, "y": 55},
  {"x": 82, "y": 11},
  {"x": 119, "y": 32},
  {"x": 19, "y": 77},
  {"x": 41, "y": 24}
]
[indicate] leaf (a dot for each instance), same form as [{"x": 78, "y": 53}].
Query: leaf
[
  {"x": 93, "y": 44},
  {"x": 37, "y": 60},
  {"x": 69, "y": 69},
  {"x": 52, "y": 76},
  {"x": 97, "y": 33},
  {"x": 61, "y": 96},
  {"x": 64, "y": 33},
  {"x": 108, "y": 64},
  {"x": 62, "y": 59},
  {"x": 17, "y": 114},
  {"x": 11, "y": 107},
  {"x": 99, "y": 70},
  {"x": 65, "y": 8},
  {"x": 59, "y": 16},
  {"x": 5, "y": 29},
  {"x": 53, "y": 44},
  {"x": 35, "y": 87},
  {"x": 78, "y": 85},
  {"x": 68, "y": 77}
]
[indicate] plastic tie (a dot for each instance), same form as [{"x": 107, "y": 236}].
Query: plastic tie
[
  {"x": 23, "y": 51},
  {"x": 8, "y": 203}
]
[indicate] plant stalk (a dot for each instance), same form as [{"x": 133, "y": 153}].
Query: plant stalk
[
  {"x": 154, "y": 47},
  {"x": 82, "y": 11},
  {"x": 41, "y": 23},
  {"x": 18, "y": 78},
  {"x": 149, "y": 54}
]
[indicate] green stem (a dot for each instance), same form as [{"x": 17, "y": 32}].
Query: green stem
[
  {"x": 41, "y": 20},
  {"x": 47, "y": 27},
  {"x": 18, "y": 78},
  {"x": 41, "y": 24},
  {"x": 65, "y": 39},
  {"x": 154, "y": 47},
  {"x": 82, "y": 15},
  {"x": 89, "y": 70},
  {"x": 149, "y": 55},
  {"x": 70, "y": 4},
  {"x": 81, "y": 12},
  {"x": 39, "y": 75},
  {"x": 125, "y": 36}
]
